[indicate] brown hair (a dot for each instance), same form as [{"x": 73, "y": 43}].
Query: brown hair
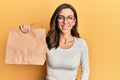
[{"x": 53, "y": 35}]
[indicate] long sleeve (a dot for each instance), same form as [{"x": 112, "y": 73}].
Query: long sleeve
[{"x": 84, "y": 62}]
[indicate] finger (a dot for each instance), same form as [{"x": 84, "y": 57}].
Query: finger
[
  {"x": 20, "y": 28},
  {"x": 24, "y": 29},
  {"x": 29, "y": 28},
  {"x": 25, "y": 26}
]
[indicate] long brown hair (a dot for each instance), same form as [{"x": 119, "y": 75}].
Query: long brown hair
[{"x": 53, "y": 35}]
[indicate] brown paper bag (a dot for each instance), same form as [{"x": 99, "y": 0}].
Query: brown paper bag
[{"x": 26, "y": 48}]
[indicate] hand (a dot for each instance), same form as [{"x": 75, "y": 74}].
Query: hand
[{"x": 26, "y": 28}]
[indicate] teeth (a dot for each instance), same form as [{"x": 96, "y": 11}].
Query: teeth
[{"x": 64, "y": 27}]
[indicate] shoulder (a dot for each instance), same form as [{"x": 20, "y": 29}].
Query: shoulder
[
  {"x": 81, "y": 41},
  {"x": 82, "y": 44}
]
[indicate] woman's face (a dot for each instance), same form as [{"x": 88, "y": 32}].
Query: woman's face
[{"x": 66, "y": 21}]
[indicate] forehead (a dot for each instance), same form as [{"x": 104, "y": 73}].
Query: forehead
[{"x": 66, "y": 12}]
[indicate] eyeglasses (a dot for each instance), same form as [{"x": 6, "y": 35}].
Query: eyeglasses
[{"x": 68, "y": 18}]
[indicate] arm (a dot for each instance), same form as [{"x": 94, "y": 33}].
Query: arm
[{"x": 84, "y": 62}]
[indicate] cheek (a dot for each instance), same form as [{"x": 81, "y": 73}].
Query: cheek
[
  {"x": 59, "y": 25},
  {"x": 70, "y": 27}
]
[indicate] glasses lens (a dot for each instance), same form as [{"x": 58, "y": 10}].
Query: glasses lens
[
  {"x": 61, "y": 18},
  {"x": 70, "y": 18}
]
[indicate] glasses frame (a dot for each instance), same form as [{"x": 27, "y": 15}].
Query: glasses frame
[{"x": 62, "y": 18}]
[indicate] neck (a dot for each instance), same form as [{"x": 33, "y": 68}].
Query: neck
[{"x": 64, "y": 38}]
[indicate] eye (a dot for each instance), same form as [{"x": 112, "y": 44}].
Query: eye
[
  {"x": 70, "y": 17},
  {"x": 60, "y": 17}
]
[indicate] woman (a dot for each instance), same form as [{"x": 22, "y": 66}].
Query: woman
[{"x": 65, "y": 49}]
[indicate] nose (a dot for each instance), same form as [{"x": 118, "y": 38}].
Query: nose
[{"x": 65, "y": 20}]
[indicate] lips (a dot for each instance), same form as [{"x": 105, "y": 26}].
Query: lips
[{"x": 64, "y": 27}]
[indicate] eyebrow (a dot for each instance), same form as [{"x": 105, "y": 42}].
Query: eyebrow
[{"x": 64, "y": 16}]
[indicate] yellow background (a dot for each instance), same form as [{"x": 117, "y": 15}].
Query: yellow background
[{"x": 99, "y": 25}]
